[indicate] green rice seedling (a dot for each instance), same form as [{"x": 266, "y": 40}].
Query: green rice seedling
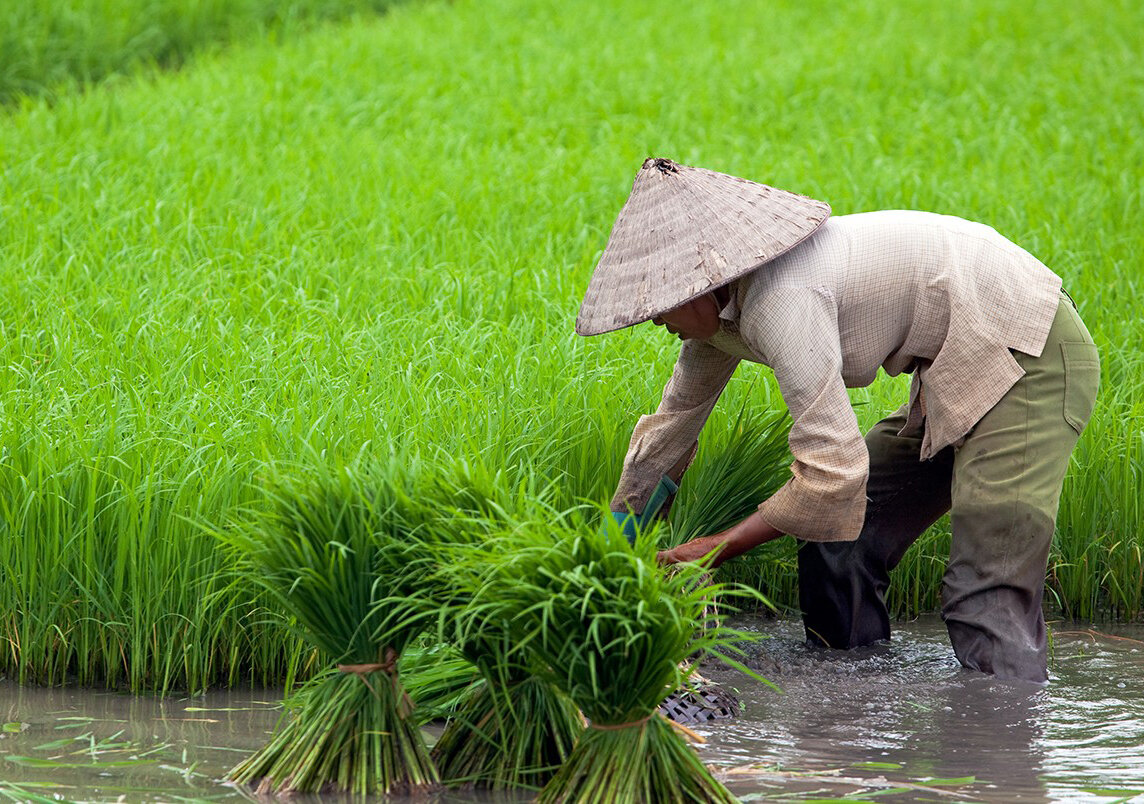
[
  {"x": 194, "y": 286},
  {"x": 740, "y": 463},
  {"x": 336, "y": 555},
  {"x": 512, "y": 728},
  {"x": 611, "y": 629},
  {"x": 736, "y": 469},
  {"x": 437, "y": 678}
]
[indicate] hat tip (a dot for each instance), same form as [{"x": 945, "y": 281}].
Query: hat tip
[
  {"x": 589, "y": 325},
  {"x": 661, "y": 164}
]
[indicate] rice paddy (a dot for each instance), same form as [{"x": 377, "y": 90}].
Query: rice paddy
[
  {"x": 367, "y": 240},
  {"x": 907, "y": 720},
  {"x": 52, "y": 48}
]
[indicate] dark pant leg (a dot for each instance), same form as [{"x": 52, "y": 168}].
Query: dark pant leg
[
  {"x": 841, "y": 585},
  {"x": 1007, "y": 479}
]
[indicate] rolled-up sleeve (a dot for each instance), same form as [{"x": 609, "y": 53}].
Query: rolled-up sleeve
[
  {"x": 825, "y": 499},
  {"x": 661, "y": 440}
]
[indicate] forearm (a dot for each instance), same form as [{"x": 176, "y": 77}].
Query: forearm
[
  {"x": 748, "y": 534},
  {"x": 663, "y": 442},
  {"x": 736, "y": 540}
]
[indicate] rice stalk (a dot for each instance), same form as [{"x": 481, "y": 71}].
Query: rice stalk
[
  {"x": 737, "y": 468},
  {"x": 611, "y": 630},
  {"x": 336, "y": 554},
  {"x": 511, "y": 728},
  {"x": 345, "y": 731},
  {"x": 647, "y": 761},
  {"x": 437, "y": 678},
  {"x": 508, "y": 734}
]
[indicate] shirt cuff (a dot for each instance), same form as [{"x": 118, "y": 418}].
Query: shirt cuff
[{"x": 815, "y": 516}]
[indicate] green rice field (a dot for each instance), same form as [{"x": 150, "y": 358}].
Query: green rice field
[
  {"x": 51, "y": 47},
  {"x": 367, "y": 240}
]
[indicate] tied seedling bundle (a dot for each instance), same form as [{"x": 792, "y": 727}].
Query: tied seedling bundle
[
  {"x": 611, "y": 629},
  {"x": 337, "y": 556},
  {"x": 512, "y": 728}
]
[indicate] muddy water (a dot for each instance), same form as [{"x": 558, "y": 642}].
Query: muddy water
[
  {"x": 901, "y": 721},
  {"x": 907, "y": 717}
]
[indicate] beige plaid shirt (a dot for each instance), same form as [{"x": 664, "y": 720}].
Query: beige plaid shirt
[{"x": 935, "y": 295}]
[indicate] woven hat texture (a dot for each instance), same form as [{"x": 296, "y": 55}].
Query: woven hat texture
[{"x": 684, "y": 232}]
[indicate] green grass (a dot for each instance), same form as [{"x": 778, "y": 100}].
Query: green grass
[
  {"x": 373, "y": 237},
  {"x": 49, "y": 47}
]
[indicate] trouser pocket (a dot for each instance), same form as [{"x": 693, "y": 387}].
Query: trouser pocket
[{"x": 1082, "y": 378}]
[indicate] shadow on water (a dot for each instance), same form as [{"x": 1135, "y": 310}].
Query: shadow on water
[{"x": 900, "y": 721}]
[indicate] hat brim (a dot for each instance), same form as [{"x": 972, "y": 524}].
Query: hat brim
[{"x": 685, "y": 232}]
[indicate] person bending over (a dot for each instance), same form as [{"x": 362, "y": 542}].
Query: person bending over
[{"x": 1005, "y": 377}]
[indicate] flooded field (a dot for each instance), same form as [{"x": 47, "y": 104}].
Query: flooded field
[
  {"x": 906, "y": 717},
  {"x": 900, "y": 722}
]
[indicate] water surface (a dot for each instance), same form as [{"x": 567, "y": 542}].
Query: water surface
[
  {"x": 899, "y": 722},
  {"x": 907, "y": 716}
]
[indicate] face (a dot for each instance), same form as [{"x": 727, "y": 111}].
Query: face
[{"x": 698, "y": 319}]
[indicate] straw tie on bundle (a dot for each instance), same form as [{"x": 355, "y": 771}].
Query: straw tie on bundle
[{"x": 389, "y": 668}]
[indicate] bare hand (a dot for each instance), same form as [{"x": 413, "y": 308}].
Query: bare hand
[{"x": 734, "y": 541}]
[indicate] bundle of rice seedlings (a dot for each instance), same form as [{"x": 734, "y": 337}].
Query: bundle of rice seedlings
[
  {"x": 336, "y": 555},
  {"x": 512, "y": 728},
  {"x": 611, "y": 629}
]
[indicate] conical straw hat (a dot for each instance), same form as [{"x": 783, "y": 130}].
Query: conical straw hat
[{"x": 684, "y": 232}]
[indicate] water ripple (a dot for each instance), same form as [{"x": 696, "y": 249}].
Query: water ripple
[{"x": 907, "y": 711}]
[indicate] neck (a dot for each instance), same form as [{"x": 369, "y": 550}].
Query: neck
[{"x": 722, "y": 295}]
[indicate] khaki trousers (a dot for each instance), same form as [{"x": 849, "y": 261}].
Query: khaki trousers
[{"x": 1002, "y": 486}]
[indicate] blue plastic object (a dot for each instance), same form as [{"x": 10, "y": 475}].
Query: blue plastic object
[{"x": 631, "y": 523}]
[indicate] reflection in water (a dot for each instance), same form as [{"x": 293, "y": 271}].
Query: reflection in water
[
  {"x": 105, "y": 746},
  {"x": 900, "y": 716},
  {"x": 1094, "y": 725}
]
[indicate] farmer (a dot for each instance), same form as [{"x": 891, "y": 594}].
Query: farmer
[{"x": 1004, "y": 381}]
